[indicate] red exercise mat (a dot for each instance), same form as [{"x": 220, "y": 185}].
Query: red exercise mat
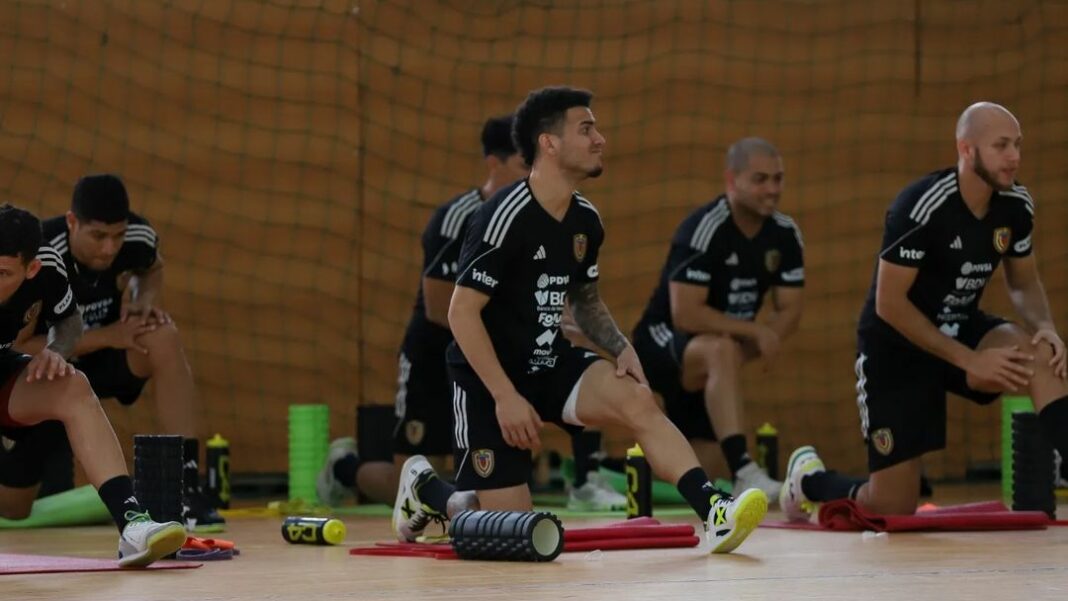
[
  {"x": 846, "y": 515},
  {"x": 16, "y": 563}
]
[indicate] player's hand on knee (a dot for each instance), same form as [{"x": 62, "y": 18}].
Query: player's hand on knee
[
  {"x": 125, "y": 334},
  {"x": 1002, "y": 367},
  {"x": 767, "y": 341},
  {"x": 628, "y": 363},
  {"x": 1059, "y": 361},
  {"x": 519, "y": 422},
  {"x": 48, "y": 365}
]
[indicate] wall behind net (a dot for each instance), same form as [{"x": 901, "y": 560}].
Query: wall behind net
[
  {"x": 234, "y": 125},
  {"x": 861, "y": 97},
  {"x": 290, "y": 153}
]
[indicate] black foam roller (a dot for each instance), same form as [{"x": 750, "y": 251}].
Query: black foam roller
[{"x": 507, "y": 535}]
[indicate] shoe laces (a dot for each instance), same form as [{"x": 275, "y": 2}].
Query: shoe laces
[
  {"x": 136, "y": 517},
  {"x": 423, "y": 516}
]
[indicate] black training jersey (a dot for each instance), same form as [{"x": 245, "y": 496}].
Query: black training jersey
[
  {"x": 47, "y": 297},
  {"x": 709, "y": 250},
  {"x": 99, "y": 293},
  {"x": 442, "y": 240},
  {"x": 526, "y": 260},
  {"x": 930, "y": 228}
]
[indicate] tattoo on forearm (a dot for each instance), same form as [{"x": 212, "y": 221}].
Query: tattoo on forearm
[
  {"x": 64, "y": 335},
  {"x": 592, "y": 316}
]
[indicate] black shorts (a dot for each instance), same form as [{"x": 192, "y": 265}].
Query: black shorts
[
  {"x": 110, "y": 376},
  {"x": 901, "y": 394},
  {"x": 423, "y": 405},
  {"x": 660, "y": 350},
  {"x": 23, "y": 449},
  {"x": 483, "y": 460}
]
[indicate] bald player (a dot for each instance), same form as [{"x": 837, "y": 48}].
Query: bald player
[{"x": 921, "y": 333}]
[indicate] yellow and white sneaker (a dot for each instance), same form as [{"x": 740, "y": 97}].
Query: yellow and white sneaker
[
  {"x": 803, "y": 462},
  {"x": 143, "y": 541},
  {"x": 410, "y": 515},
  {"x": 731, "y": 521}
]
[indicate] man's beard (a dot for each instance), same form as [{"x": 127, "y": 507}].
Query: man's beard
[{"x": 984, "y": 174}]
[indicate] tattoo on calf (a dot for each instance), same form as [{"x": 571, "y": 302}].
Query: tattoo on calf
[{"x": 593, "y": 318}]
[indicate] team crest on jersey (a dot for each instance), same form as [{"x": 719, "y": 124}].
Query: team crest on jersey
[
  {"x": 32, "y": 313},
  {"x": 580, "y": 247},
  {"x": 772, "y": 260},
  {"x": 1002, "y": 238},
  {"x": 414, "y": 431},
  {"x": 482, "y": 460},
  {"x": 883, "y": 440}
]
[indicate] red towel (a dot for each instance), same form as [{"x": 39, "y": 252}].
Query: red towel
[{"x": 846, "y": 515}]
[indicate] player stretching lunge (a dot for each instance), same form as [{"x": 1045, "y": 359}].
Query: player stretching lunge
[{"x": 529, "y": 248}]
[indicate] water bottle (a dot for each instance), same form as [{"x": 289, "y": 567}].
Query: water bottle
[
  {"x": 313, "y": 531},
  {"x": 767, "y": 447},
  {"x": 639, "y": 484},
  {"x": 218, "y": 460}
]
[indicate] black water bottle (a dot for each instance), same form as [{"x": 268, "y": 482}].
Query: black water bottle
[
  {"x": 218, "y": 459},
  {"x": 639, "y": 484},
  {"x": 767, "y": 444}
]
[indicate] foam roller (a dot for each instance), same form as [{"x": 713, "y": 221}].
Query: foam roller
[{"x": 507, "y": 535}]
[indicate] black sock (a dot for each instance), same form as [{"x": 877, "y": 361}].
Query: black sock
[
  {"x": 434, "y": 492},
  {"x": 586, "y": 446},
  {"x": 345, "y": 470},
  {"x": 734, "y": 450},
  {"x": 830, "y": 486},
  {"x": 118, "y": 497},
  {"x": 1054, "y": 419},
  {"x": 698, "y": 491},
  {"x": 191, "y": 465}
]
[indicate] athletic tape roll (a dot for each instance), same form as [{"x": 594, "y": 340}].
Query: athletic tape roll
[{"x": 507, "y": 535}]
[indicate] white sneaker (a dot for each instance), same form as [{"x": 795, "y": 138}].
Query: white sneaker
[
  {"x": 731, "y": 520},
  {"x": 596, "y": 494},
  {"x": 792, "y": 500},
  {"x": 410, "y": 515},
  {"x": 143, "y": 541},
  {"x": 754, "y": 476},
  {"x": 329, "y": 490}
]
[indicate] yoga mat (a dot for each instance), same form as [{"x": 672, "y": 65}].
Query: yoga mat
[
  {"x": 15, "y": 563},
  {"x": 845, "y": 515},
  {"x": 76, "y": 507}
]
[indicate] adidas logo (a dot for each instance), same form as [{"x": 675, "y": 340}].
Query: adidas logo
[
  {"x": 540, "y": 255},
  {"x": 732, "y": 260},
  {"x": 956, "y": 245},
  {"x": 130, "y": 501}
]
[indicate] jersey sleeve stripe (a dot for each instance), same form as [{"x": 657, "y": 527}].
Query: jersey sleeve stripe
[
  {"x": 449, "y": 225},
  {"x": 786, "y": 221},
  {"x": 502, "y": 208},
  {"x": 511, "y": 217},
  {"x": 931, "y": 195},
  {"x": 460, "y": 219},
  {"x": 1029, "y": 204},
  {"x": 60, "y": 239},
  {"x": 589, "y": 205},
  {"x": 141, "y": 238},
  {"x": 702, "y": 235}
]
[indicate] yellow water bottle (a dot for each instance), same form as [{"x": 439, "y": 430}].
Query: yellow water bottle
[
  {"x": 218, "y": 460},
  {"x": 313, "y": 531},
  {"x": 767, "y": 447}
]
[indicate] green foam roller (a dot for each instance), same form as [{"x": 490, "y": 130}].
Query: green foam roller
[
  {"x": 77, "y": 507},
  {"x": 1010, "y": 405},
  {"x": 309, "y": 440}
]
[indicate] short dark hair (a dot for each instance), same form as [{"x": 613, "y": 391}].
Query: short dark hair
[
  {"x": 739, "y": 153},
  {"x": 542, "y": 112},
  {"x": 102, "y": 198},
  {"x": 497, "y": 137},
  {"x": 20, "y": 233}
]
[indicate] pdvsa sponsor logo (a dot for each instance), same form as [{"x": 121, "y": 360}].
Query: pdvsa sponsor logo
[
  {"x": 738, "y": 283},
  {"x": 545, "y": 280},
  {"x": 970, "y": 268}
]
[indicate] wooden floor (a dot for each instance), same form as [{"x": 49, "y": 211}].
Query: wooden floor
[{"x": 772, "y": 564}]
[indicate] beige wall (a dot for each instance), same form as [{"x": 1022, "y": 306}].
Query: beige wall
[{"x": 289, "y": 157}]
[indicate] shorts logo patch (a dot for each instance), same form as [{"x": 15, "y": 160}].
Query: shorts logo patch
[
  {"x": 580, "y": 247},
  {"x": 8, "y": 443},
  {"x": 482, "y": 461},
  {"x": 32, "y": 313},
  {"x": 772, "y": 260},
  {"x": 1002, "y": 237},
  {"x": 883, "y": 440},
  {"x": 414, "y": 431}
]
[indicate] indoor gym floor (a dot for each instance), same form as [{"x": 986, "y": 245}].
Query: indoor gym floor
[{"x": 772, "y": 564}]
